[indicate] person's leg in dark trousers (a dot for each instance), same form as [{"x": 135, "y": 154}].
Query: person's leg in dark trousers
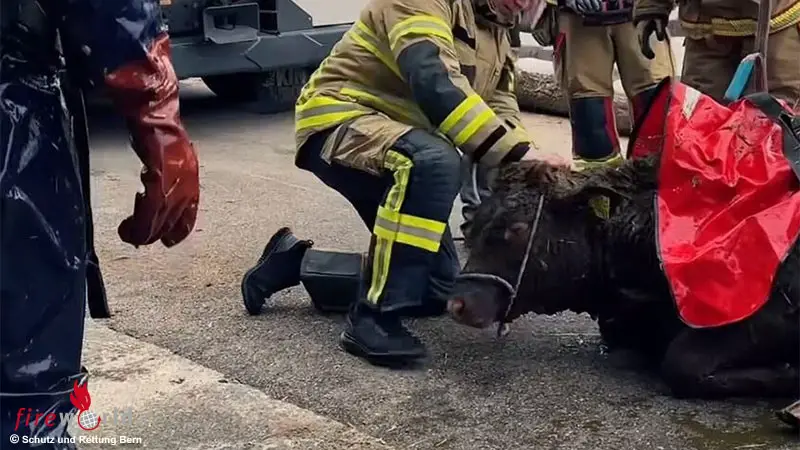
[
  {"x": 336, "y": 280},
  {"x": 474, "y": 190},
  {"x": 406, "y": 241}
]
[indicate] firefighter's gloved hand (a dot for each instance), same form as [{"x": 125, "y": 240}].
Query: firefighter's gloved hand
[
  {"x": 585, "y": 6},
  {"x": 146, "y": 94},
  {"x": 646, "y": 26}
]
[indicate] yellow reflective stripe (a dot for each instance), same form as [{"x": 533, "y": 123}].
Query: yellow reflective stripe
[
  {"x": 500, "y": 149},
  {"x": 457, "y": 114},
  {"x": 382, "y": 250},
  {"x": 367, "y": 39},
  {"x": 325, "y": 111},
  {"x": 433, "y": 227},
  {"x": 405, "y": 238},
  {"x": 475, "y": 124},
  {"x": 325, "y": 120},
  {"x": 745, "y": 27},
  {"x": 313, "y": 79},
  {"x": 466, "y": 119},
  {"x": 422, "y": 25},
  {"x": 320, "y": 101},
  {"x": 401, "y": 166},
  {"x": 406, "y": 111},
  {"x": 411, "y": 230},
  {"x": 368, "y": 31}
]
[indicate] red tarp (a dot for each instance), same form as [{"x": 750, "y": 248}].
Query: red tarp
[{"x": 728, "y": 202}]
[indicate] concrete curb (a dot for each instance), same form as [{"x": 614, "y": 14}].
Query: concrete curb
[{"x": 167, "y": 401}]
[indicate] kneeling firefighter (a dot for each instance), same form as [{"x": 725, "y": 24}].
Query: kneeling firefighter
[
  {"x": 51, "y": 51},
  {"x": 379, "y": 122},
  {"x": 588, "y": 38}
]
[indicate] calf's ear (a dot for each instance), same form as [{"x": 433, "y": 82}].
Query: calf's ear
[{"x": 600, "y": 198}]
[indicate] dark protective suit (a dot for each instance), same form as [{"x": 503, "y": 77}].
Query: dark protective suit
[{"x": 49, "y": 52}]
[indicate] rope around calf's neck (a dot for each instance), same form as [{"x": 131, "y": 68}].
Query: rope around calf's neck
[{"x": 502, "y": 328}]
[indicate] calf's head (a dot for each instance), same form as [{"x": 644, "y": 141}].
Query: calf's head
[{"x": 560, "y": 265}]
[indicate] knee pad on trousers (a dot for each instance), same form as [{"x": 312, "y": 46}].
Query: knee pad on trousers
[
  {"x": 437, "y": 164},
  {"x": 594, "y": 128},
  {"x": 333, "y": 280}
]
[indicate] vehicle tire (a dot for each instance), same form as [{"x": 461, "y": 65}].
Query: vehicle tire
[
  {"x": 238, "y": 87},
  {"x": 268, "y": 92}
]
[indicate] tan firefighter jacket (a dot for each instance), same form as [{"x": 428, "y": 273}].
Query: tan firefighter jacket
[
  {"x": 415, "y": 63},
  {"x": 733, "y": 18}
]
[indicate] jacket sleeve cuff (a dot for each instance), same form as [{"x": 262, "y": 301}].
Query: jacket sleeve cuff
[{"x": 516, "y": 153}]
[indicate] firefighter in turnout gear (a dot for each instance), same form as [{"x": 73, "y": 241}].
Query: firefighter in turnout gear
[
  {"x": 380, "y": 121},
  {"x": 589, "y": 37},
  {"x": 719, "y": 33},
  {"x": 50, "y": 53}
]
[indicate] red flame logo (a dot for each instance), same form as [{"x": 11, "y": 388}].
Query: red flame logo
[{"x": 80, "y": 397}]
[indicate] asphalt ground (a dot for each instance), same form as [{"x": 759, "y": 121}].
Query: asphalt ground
[{"x": 547, "y": 385}]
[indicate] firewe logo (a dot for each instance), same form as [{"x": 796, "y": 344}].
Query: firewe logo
[{"x": 85, "y": 419}]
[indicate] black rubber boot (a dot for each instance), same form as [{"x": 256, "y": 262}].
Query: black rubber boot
[
  {"x": 791, "y": 415},
  {"x": 333, "y": 280},
  {"x": 278, "y": 268},
  {"x": 381, "y": 339}
]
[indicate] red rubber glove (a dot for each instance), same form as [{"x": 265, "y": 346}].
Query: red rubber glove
[{"x": 146, "y": 93}]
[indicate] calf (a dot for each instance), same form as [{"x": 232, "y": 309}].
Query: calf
[{"x": 538, "y": 245}]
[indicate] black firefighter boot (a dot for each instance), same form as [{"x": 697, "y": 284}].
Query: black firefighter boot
[
  {"x": 278, "y": 268},
  {"x": 380, "y": 338},
  {"x": 332, "y": 279}
]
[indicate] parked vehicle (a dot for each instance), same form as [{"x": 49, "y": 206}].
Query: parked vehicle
[{"x": 248, "y": 50}]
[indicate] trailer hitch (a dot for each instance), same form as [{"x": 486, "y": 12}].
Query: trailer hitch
[{"x": 231, "y": 23}]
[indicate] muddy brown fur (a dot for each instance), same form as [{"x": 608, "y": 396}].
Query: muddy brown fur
[{"x": 609, "y": 269}]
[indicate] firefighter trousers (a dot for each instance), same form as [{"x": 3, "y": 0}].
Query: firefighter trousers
[
  {"x": 42, "y": 258},
  {"x": 583, "y": 59},
  {"x": 412, "y": 258},
  {"x": 709, "y": 64}
]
